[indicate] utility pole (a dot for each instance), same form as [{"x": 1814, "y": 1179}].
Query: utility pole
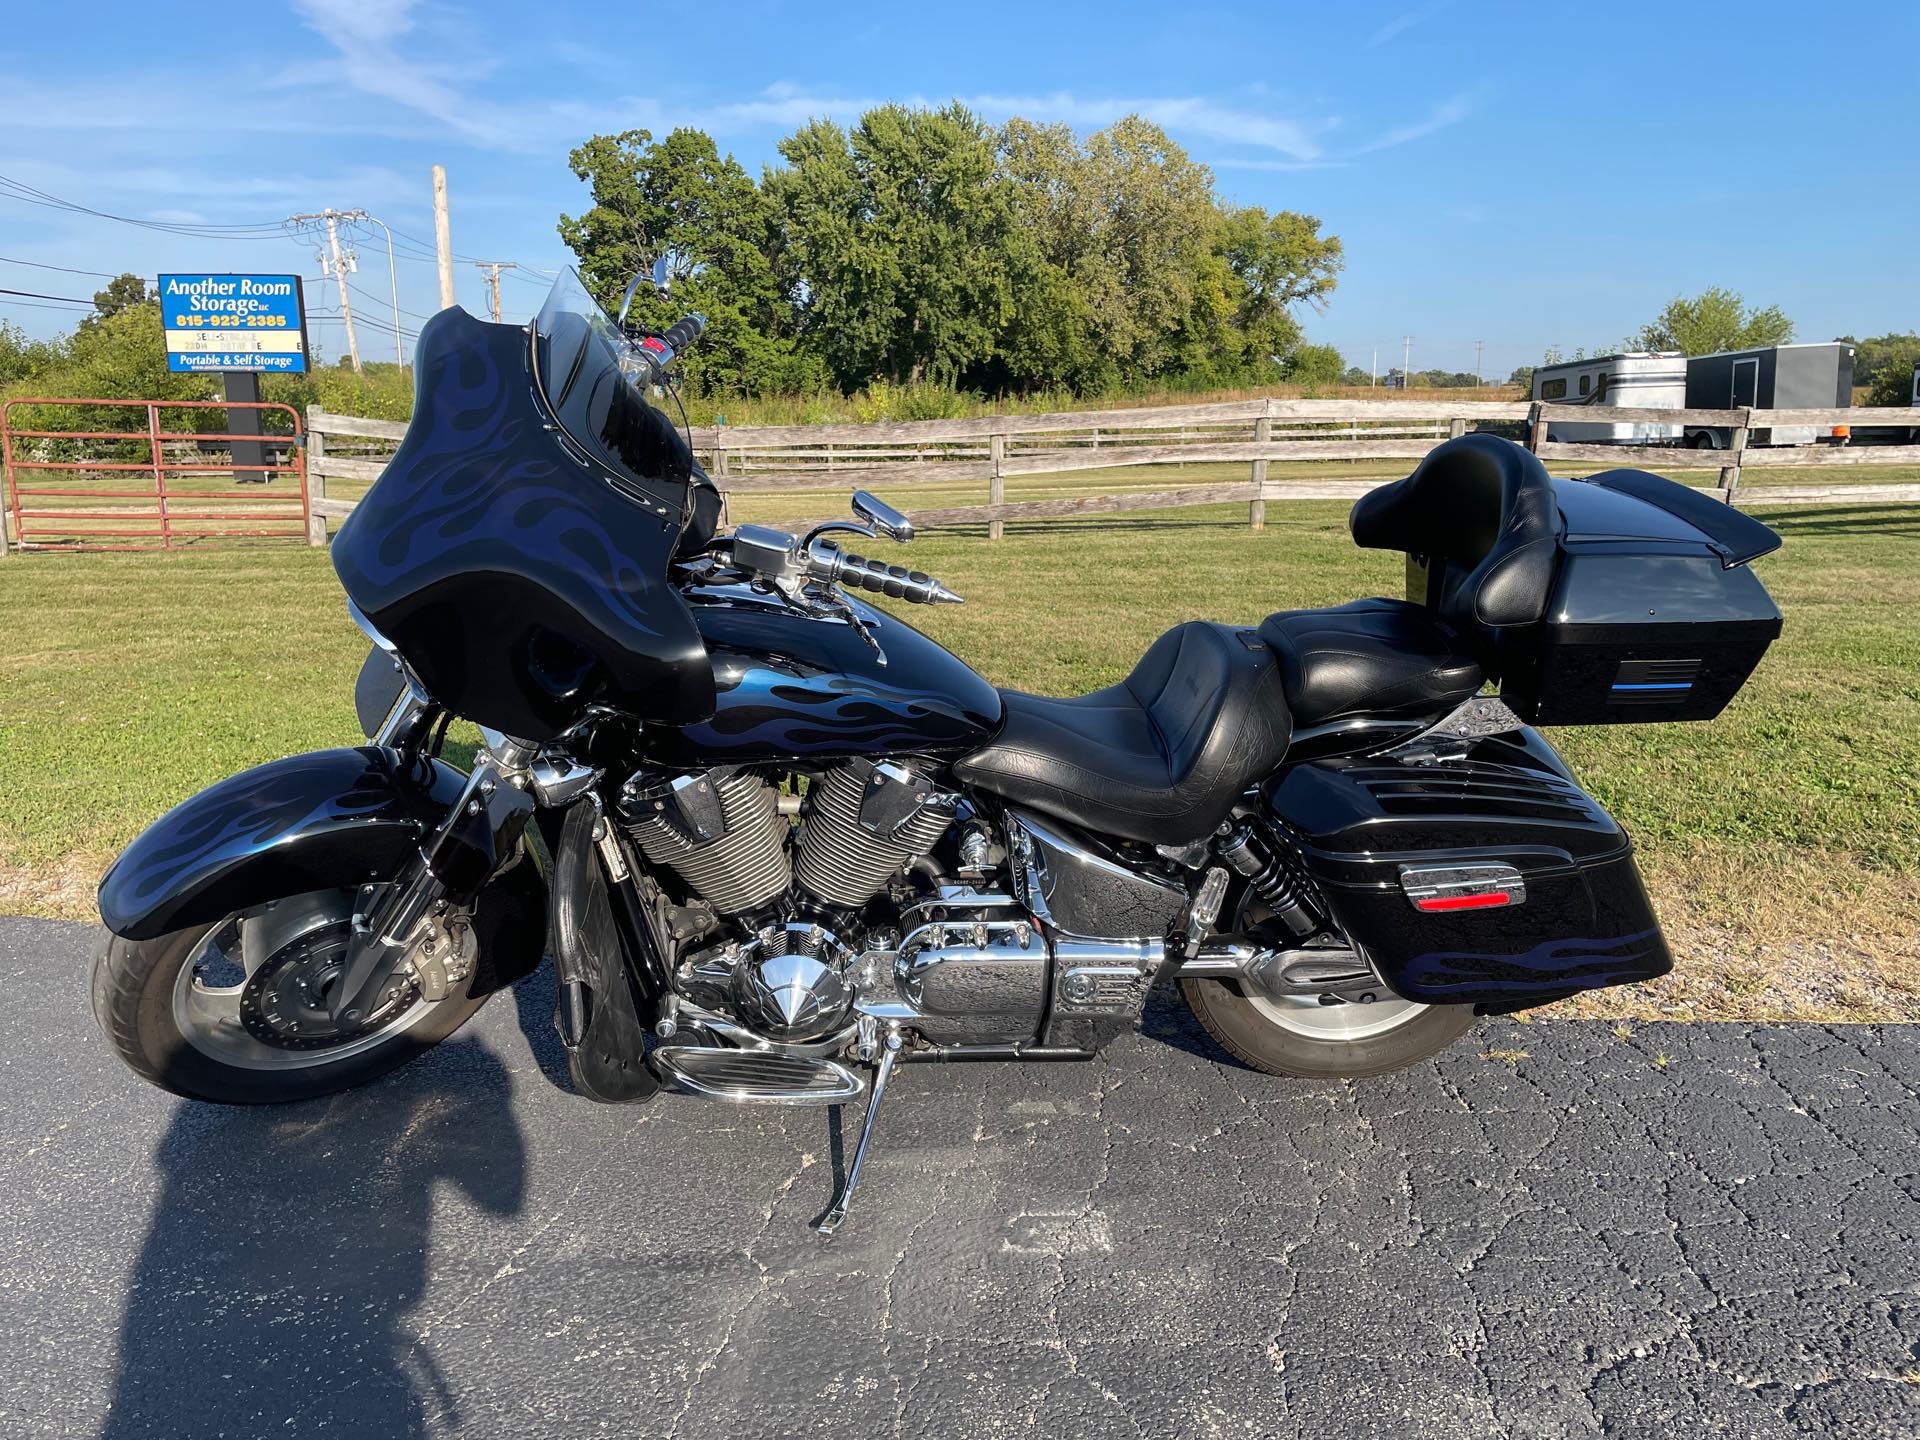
[
  {"x": 493, "y": 269},
  {"x": 336, "y": 263},
  {"x": 443, "y": 236},
  {"x": 1373, "y": 376},
  {"x": 1479, "y": 380},
  {"x": 1406, "y": 361}
]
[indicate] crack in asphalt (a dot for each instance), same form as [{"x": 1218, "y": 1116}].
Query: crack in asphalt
[{"x": 1574, "y": 1243}]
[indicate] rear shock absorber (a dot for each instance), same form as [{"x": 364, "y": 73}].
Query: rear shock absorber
[{"x": 1271, "y": 879}]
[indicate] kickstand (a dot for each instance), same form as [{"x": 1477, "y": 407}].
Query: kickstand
[{"x": 838, "y": 1210}]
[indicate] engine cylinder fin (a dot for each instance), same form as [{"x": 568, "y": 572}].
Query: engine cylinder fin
[
  {"x": 746, "y": 865},
  {"x": 844, "y": 862}
]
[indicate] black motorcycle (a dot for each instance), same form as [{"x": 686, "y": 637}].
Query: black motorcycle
[{"x": 777, "y": 841}]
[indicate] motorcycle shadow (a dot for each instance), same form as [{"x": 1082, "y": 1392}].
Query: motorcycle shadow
[{"x": 279, "y": 1286}]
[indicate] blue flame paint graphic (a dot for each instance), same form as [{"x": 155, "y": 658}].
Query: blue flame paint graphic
[{"x": 1566, "y": 964}]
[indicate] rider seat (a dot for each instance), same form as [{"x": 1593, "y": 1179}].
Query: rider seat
[
  {"x": 1386, "y": 658},
  {"x": 1160, "y": 757}
]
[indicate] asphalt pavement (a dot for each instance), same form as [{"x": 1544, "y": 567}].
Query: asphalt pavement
[{"x": 1552, "y": 1231}]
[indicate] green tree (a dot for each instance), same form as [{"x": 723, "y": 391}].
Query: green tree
[
  {"x": 896, "y": 238},
  {"x": 680, "y": 199},
  {"x": 1315, "y": 365},
  {"x": 1522, "y": 377},
  {"x": 1280, "y": 262},
  {"x": 1873, "y": 355},
  {"x": 23, "y": 359},
  {"x": 1890, "y": 379},
  {"x": 123, "y": 292},
  {"x": 1716, "y": 319}
]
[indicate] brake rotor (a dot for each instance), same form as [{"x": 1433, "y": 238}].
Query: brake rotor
[{"x": 284, "y": 1002}]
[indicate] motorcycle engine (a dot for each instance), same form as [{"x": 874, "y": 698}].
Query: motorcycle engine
[{"x": 796, "y": 891}]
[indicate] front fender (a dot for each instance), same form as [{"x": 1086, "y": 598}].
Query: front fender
[{"x": 308, "y": 822}]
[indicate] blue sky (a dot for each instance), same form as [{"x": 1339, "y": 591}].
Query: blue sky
[{"x": 1527, "y": 175}]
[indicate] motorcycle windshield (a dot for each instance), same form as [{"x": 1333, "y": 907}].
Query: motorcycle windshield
[
  {"x": 517, "y": 548},
  {"x": 584, "y": 366}
]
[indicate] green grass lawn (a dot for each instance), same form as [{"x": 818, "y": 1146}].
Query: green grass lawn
[{"x": 1783, "y": 840}]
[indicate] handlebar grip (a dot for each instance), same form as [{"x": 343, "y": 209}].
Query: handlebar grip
[
  {"x": 895, "y": 581},
  {"x": 683, "y": 333}
]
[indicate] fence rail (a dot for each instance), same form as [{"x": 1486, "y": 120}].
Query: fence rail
[{"x": 990, "y": 450}]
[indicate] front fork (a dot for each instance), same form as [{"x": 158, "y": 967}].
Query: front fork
[{"x": 476, "y": 837}]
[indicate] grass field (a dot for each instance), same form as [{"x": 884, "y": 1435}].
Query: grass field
[{"x": 1782, "y": 841}]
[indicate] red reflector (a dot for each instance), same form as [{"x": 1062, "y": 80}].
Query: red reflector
[{"x": 1464, "y": 902}]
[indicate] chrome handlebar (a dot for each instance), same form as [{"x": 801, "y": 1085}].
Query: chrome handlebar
[{"x": 791, "y": 564}]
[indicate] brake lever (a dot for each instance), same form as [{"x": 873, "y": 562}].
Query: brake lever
[{"x": 821, "y": 598}]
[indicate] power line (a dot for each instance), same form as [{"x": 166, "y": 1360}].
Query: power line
[
  {"x": 36, "y": 295},
  {"x": 34, "y": 305},
  {"x": 63, "y": 269},
  {"x": 19, "y": 190}
]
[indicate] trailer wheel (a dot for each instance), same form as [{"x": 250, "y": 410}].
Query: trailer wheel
[{"x": 1701, "y": 440}]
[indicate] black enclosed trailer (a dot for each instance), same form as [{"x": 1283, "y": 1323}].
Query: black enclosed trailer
[{"x": 1775, "y": 377}]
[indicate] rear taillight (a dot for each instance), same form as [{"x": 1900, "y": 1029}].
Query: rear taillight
[{"x": 1440, "y": 889}]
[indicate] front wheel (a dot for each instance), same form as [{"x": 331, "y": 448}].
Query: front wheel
[{"x": 236, "y": 1012}]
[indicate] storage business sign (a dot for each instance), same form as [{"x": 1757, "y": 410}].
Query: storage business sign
[{"x": 234, "y": 322}]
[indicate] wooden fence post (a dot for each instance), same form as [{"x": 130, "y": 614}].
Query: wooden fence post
[
  {"x": 316, "y": 480},
  {"x": 1456, "y": 428},
  {"x": 997, "y": 486},
  {"x": 1736, "y": 452},
  {"x": 1257, "y": 507},
  {"x": 1536, "y": 428}
]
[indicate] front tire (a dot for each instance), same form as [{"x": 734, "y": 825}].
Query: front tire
[{"x": 216, "y": 1012}]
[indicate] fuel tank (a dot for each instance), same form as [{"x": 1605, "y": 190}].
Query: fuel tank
[{"x": 808, "y": 689}]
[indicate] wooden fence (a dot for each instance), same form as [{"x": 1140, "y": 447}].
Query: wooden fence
[{"x": 791, "y": 459}]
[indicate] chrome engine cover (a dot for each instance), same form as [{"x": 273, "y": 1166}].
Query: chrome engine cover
[{"x": 792, "y": 982}]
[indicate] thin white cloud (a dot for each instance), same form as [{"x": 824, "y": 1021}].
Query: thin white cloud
[
  {"x": 1184, "y": 114},
  {"x": 367, "y": 35},
  {"x": 1399, "y": 24},
  {"x": 1447, "y": 112}
]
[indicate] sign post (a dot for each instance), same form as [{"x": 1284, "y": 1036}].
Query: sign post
[{"x": 238, "y": 326}]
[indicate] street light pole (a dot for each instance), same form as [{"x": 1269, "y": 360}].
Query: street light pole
[{"x": 393, "y": 283}]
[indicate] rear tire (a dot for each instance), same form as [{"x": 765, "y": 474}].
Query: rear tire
[{"x": 1244, "y": 1030}]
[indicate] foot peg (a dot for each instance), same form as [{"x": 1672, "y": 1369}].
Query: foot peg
[{"x": 838, "y": 1210}]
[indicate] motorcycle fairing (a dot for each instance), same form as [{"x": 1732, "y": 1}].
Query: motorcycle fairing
[
  {"x": 521, "y": 572},
  {"x": 309, "y": 822}
]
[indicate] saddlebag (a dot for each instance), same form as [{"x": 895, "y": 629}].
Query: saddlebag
[{"x": 1488, "y": 879}]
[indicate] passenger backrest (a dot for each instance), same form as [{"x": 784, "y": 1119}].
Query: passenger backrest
[{"x": 1483, "y": 506}]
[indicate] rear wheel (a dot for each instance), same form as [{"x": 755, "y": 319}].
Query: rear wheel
[
  {"x": 1307, "y": 1040},
  {"x": 236, "y": 1012},
  {"x": 1323, "y": 1041}
]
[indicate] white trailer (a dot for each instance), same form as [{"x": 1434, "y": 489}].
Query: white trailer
[{"x": 1632, "y": 379}]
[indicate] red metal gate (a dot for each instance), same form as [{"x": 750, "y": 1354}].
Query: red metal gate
[{"x": 60, "y": 498}]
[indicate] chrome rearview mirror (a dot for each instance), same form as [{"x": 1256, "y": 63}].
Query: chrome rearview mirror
[
  {"x": 661, "y": 277},
  {"x": 882, "y": 516},
  {"x": 626, "y": 301}
]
